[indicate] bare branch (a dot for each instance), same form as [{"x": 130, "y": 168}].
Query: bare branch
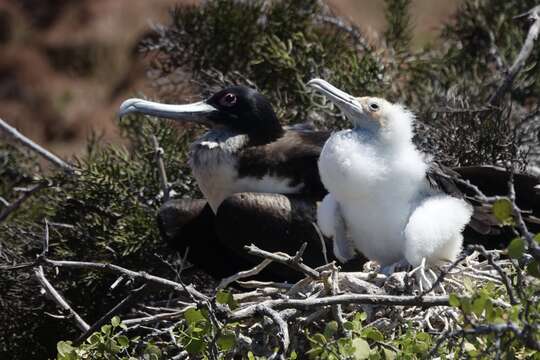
[
  {"x": 504, "y": 276},
  {"x": 134, "y": 295},
  {"x": 158, "y": 155},
  {"x": 369, "y": 299},
  {"x": 244, "y": 274},
  {"x": 81, "y": 324},
  {"x": 23, "y": 140},
  {"x": 24, "y": 196},
  {"x": 46, "y": 239},
  {"x": 282, "y": 258},
  {"x": 336, "y": 309},
  {"x": 153, "y": 318},
  {"x": 519, "y": 62},
  {"x": 283, "y": 333},
  {"x": 130, "y": 273}
]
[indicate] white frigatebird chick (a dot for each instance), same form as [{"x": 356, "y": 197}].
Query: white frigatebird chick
[
  {"x": 259, "y": 178},
  {"x": 388, "y": 200}
]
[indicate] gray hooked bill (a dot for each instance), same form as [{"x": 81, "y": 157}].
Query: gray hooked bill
[{"x": 199, "y": 112}]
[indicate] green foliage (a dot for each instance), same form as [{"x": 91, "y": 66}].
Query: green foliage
[
  {"x": 502, "y": 209},
  {"x": 105, "y": 214},
  {"x": 367, "y": 342},
  {"x": 398, "y": 34},
  {"x": 108, "y": 343},
  {"x": 276, "y": 47},
  {"x": 487, "y": 308}
]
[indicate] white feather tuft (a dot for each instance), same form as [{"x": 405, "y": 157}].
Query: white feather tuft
[
  {"x": 434, "y": 230},
  {"x": 325, "y": 216}
]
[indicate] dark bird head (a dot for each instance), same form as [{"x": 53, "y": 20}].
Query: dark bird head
[{"x": 237, "y": 108}]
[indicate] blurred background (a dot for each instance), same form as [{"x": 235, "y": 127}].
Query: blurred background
[{"x": 65, "y": 65}]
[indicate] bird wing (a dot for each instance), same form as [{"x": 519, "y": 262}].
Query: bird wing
[
  {"x": 465, "y": 182},
  {"x": 330, "y": 221},
  {"x": 272, "y": 222},
  {"x": 293, "y": 156}
]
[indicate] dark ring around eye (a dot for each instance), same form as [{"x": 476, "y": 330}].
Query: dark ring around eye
[
  {"x": 228, "y": 100},
  {"x": 373, "y": 106}
]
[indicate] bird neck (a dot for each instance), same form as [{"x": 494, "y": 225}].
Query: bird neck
[{"x": 266, "y": 132}]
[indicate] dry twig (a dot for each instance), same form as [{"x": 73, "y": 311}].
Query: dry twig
[
  {"x": 53, "y": 159},
  {"x": 534, "y": 16}
]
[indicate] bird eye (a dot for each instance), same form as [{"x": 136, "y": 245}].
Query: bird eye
[
  {"x": 373, "y": 106},
  {"x": 228, "y": 100}
]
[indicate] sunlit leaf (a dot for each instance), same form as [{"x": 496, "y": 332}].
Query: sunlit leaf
[{"x": 516, "y": 248}]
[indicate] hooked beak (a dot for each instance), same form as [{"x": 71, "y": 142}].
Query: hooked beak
[
  {"x": 199, "y": 112},
  {"x": 344, "y": 101}
]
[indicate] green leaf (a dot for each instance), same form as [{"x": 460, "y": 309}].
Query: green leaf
[
  {"x": 94, "y": 338},
  {"x": 123, "y": 341},
  {"x": 106, "y": 329},
  {"x": 502, "y": 209},
  {"x": 64, "y": 348},
  {"x": 479, "y": 305},
  {"x": 533, "y": 269},
  {"x": 537, "y": 238},
  {"x": 389, "y": 354},
  {"x": 361, "y": 348},
  {"x": 152, "y": 350},
  {"x": 330, "y": 329},
  {"x": 347, "y": 325},
  {"x": 195, "y": 346},
  {"x": 193, "y": 315},
  {"x": 422, "y": 336},
  {"x": 226, "y": 298},
  {"x": 454, "y": 300},
  {"x": 226, "y": 341},
  {"x": 373, "y": 334},
  {"x": 319, "y": 338},
  {"x": 516, "y": 248},
  {"x": 361, "y": 316},
  {"x": 115, "y": 321}
]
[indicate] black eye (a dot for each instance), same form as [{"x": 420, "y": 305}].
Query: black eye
[
  {"x": 373, "y": 106},
  {"x": 228, "y": 100}
]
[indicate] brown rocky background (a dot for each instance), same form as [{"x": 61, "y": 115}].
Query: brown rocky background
[{"x": 65, "y": 65}]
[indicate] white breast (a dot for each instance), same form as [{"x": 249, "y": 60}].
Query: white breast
[
  {"x": 375, "y": 187},
  {"x": 214, "y": 166}
]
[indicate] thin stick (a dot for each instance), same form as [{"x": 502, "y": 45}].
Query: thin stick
[
  {"x": 24, "y": 196},
  {"x": 519, "y": 62},
  {"x": 283, "y": 333},
  {"x": 158, "y": 155},
  {"x": 81, "y": 324},
  {"x": 244, "y": 274},
  {"x": 135, "y": 294},
  {"x": 369, "y": 299},
  {"x": 293, "y": 262},
  {"x": 153, "y": 318},
  {"x": 130, "y": 273},
  {"x": 23, "y": 140}
]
